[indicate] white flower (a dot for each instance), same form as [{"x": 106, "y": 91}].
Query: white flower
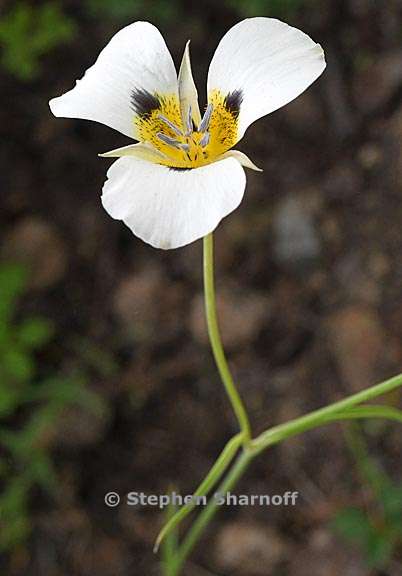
[{"x": 181, "y": 178}]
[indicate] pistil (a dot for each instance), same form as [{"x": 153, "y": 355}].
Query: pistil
[{"x": 184, "y": 143}]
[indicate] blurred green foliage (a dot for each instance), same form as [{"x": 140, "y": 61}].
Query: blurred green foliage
[
  {"x": 126, "y": 10},
  {"x": 32, "y": 400},
  {"x": 28, "y": 32},
  {"x": 161, "y": 11},
  {"x": 278, "y": 8},
  {"x": 377, "y": 531}
]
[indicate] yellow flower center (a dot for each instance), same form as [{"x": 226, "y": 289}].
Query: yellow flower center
[{"x": 182, "y": 144}]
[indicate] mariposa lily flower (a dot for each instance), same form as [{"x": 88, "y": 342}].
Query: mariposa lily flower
[{"x": 182, "y": 177}]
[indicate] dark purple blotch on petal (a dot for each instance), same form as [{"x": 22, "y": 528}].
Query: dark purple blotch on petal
[
  {"x": 233, "y": 101},
  {"x": 144, "y": 103}
]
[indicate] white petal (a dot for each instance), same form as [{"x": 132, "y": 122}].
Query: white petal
[
  {"x": 269, "y": 61},
  {"x": 242, "y": 158},
  {"x": 136, "y": 58},
  {"x": 187, "y": 89},
  {"x": 140, "y": 150},
  {"x": 170, "y": 208}
]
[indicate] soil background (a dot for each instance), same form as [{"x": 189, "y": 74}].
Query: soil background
[{"x": 309, "y": 284}]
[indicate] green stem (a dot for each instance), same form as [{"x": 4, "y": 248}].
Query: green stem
[
  {"x": 210, "y": 510},
  {"x": 170, "y": 546},
  {"x": 216, "y": 343},
  {"x": 323, "y": 415},
  {"x": 365, "y": 412},
  {"x": 213, "y": 476},
  {"x": 342, "y": 410}
]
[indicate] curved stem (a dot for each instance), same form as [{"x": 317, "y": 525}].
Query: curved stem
[
  {"x": 343, "y": 410},
  {"x": 213, "y": 476},
  {"x": 215, "y": 339},
  {"x": 323, "y": 415},
  {"x": 210, "y": 510}
]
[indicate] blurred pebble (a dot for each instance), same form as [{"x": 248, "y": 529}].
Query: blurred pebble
[
  {"x": 323, "y": 555},
  {"x": 370, "y": 155},
  {"x": 295, "y": 237},
  {"x": 78, "y": 427},
  {"x": 358, "y": 283},
  {"x": 148, "y": 305},
  {"x": 342, "y": 181},
  {"x": 135, "y": 296},
  {"x": 36, "y": 244},
  {"x": 357, "y": 341},
  {"x": 249, "y": 548},
  {"x": 241, "y": 315}
]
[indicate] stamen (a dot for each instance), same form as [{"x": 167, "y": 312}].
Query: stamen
[
  {"x": 205, "y": 139},
  {"x": 170, "y": 125},
  {"x": 168, "y": 140},
  {"x": 189, "y": 121},
  {"x": 204, "y": 125}
]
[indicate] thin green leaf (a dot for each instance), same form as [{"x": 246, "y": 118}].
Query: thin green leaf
[
  {"x": 327, "y": 414},
  {"x": 206, "y": 485},
  {"x": 362, "y": 412},
  {"x": 170, "y": 543}
]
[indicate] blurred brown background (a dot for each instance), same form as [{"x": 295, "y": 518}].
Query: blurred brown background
[{"x": 107, "y": 380}]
